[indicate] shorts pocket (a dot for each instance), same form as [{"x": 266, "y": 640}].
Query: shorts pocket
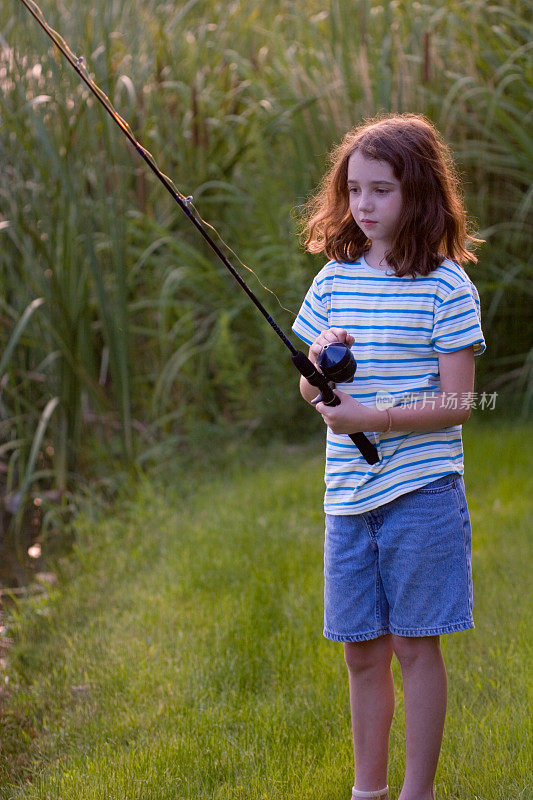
[{"x": 440, "y": 484}]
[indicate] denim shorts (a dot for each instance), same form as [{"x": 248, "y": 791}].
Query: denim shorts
[{"x": 403, "y": 568}]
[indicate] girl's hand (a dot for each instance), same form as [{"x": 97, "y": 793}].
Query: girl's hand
[
  {"x": 350, "y": 416},
  {"x": 328, "y": 337}
]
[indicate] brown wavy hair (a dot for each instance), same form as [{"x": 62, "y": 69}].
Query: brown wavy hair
[{"x": 432, "y": 224}]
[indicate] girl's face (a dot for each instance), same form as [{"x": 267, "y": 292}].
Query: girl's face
[{"x": 375, "y": 198}]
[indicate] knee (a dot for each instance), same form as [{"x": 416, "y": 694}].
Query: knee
[
  {"x": 363, "y": 656},
  {"x": 410, "y": 650}
]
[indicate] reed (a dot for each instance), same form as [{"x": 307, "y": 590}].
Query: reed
[{"x": 142, "y": 337}]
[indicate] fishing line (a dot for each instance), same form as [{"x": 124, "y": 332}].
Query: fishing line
[
  {"x": 79, "y": 64},
  {"x": 337, "y": 357}
]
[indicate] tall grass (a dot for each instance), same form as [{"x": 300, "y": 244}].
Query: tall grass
[
  {"x": 142, "y": 336},
  {"x": 488, "y": 112}
]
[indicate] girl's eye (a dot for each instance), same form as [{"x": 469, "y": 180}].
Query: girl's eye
[{"x": 382, "y": 191}]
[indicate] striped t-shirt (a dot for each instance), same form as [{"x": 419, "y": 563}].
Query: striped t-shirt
[{"x": 400, "y": 326}]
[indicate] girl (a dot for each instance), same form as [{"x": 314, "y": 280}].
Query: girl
[{"x": 397, "y": 569}]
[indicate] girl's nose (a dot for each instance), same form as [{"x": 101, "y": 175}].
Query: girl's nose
[{"x": 365, "y": 203}]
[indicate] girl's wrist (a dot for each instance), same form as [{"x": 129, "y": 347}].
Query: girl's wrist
[
  {"x": 383, "y": 420},
  {"x": 389, "y": 420}
]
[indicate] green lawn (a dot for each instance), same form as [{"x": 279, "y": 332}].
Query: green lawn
[{"x": 182, "y": 655}]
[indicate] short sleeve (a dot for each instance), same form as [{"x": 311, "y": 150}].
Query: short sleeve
[
  {"x": 457, "y": 322},
  {"x": 312, "y": 318}
]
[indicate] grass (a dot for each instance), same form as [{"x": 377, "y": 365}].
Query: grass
[{"x": 182, "y": 655}]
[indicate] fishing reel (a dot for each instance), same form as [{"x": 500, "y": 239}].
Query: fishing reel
[{"x": 337, "y": 363}]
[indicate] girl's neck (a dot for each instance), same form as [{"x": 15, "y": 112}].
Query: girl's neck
[{"x": 375, "y": 257}]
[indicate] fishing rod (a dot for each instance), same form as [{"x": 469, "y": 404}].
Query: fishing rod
[{"x": 336, "y": 361}]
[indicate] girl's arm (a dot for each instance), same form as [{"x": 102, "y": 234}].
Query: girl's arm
[{"x": 450, "y": 406}]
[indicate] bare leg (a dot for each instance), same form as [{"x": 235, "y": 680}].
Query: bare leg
[
  {"x": 372, "y": 708},
  {"x": 425, "y": 695}
]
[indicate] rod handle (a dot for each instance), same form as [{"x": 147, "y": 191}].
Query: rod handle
[{"x": 364, "y": 445}]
